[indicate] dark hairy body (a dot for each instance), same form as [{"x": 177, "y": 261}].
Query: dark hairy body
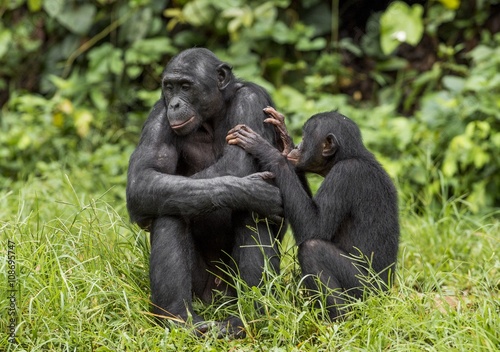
[
  {"x": 354, "y": 210},
  {"x": 195, "y": 193}
]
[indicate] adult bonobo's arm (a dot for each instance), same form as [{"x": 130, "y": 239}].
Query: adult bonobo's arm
[{"x": 154, "y": 190}]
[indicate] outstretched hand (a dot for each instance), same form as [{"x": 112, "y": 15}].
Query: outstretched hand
[{"x": 278, "y": 120}]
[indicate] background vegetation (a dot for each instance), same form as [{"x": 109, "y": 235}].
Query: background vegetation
[{"x": 77, "y": 79}]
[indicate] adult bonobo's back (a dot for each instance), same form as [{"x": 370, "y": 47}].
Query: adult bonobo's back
[{"x": 193, "y": 191}]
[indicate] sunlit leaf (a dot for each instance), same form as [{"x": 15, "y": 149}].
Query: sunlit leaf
[
  {"x": 451, "y": 4},
  {"x": 199, "y": 12},
  {"x": 58, "y": 119},
  {"x": 35, "y": 5},
  {"x": 82, "y": 120},
  {"x": 401, "y": 23}
]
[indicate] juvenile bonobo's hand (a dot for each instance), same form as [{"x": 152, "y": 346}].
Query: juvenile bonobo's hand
[
  {"x": 278, "y": 120},
  {"x": 246, "y": 138}
]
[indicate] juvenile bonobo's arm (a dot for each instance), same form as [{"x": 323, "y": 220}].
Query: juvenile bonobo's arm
[
  {"x": 153, "y": 189},
  {"x": 245, "y": 109},
  {"x": 305, "y": 214}
]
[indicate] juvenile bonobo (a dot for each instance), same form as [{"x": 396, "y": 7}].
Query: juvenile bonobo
[
  {"x": 195, "y": 193},
  {"x": 355, "y": 209}
]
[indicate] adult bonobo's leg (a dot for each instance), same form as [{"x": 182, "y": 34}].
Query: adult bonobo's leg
[
  {"x": 253, "y": 247},
  {"x": 170, "y": 272}
]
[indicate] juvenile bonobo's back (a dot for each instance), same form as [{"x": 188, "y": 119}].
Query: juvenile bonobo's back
[
  {"x": 355, "y": 209},
  {"x": 359, "y": 192}
]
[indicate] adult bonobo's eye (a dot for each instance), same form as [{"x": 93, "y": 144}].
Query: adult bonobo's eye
[{"x": 168, "y": 86}]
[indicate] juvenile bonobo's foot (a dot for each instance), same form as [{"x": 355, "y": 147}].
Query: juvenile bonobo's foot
[{"x": 278, "y": 121}]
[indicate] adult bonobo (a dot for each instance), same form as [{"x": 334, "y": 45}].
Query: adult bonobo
[
  {"x": 195, "y": 193},
  {"x": 355, "y": 209}
]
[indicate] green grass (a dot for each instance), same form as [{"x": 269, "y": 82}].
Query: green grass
[{"x": 82, "y": 284}]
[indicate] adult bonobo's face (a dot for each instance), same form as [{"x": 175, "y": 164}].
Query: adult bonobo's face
[{"x": 193, "y": 84}]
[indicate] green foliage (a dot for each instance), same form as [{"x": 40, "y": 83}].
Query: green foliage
[
  {"x": 468, "y": 107},
  {"x": 78, "y": 77}
]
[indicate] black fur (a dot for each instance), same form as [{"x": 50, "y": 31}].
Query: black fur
[
  {"x": 355, "y": 209},
  {"x": 192, "y": 191}
]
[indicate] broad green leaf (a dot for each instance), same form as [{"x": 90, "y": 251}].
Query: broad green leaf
[
  {"x": 77, "y": 19},
  {"x": 400, "y": 23},
  {"x": 199, "y": 12},
  {"x": 454, "y": 83},
  {"x": 53, "y": 7}
]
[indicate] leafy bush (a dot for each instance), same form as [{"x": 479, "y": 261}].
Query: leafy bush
[{"x": 78, "y": 79}]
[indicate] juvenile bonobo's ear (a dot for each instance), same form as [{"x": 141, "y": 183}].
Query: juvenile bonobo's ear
[
  {"x": 330, "y": 145},
  {"x": 224, "y": 76}
]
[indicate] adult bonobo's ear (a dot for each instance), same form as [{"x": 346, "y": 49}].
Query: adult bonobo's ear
[
  {"x": 224, "y": 75},
  {"x": 330, "y": 145}
]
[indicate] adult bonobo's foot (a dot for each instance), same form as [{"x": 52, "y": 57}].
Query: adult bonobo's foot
[{"x": 231, "y": 328}]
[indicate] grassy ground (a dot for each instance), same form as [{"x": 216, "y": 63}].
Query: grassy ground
[{"x": 81, "y": 284}]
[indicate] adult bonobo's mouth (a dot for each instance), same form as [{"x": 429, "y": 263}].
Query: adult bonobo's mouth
[{"x": 181, "y": 125}]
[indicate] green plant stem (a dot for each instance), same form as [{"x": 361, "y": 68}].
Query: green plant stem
[{"x": 92, "y": 41}]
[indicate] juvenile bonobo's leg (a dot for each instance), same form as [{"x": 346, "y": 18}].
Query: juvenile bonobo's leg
[
  {"x": 278, "y": 120},
  {"x": 170, "y": 271},
  {"x": 319, "y": 258}
]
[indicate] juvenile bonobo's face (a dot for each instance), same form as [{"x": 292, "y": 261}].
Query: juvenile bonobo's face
[
  {"x": 314, "y": 153},
  {"x": 191, "y": 92}
]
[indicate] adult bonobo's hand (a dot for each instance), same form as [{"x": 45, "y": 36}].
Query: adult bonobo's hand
[{"x": 254, "y": 192}]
